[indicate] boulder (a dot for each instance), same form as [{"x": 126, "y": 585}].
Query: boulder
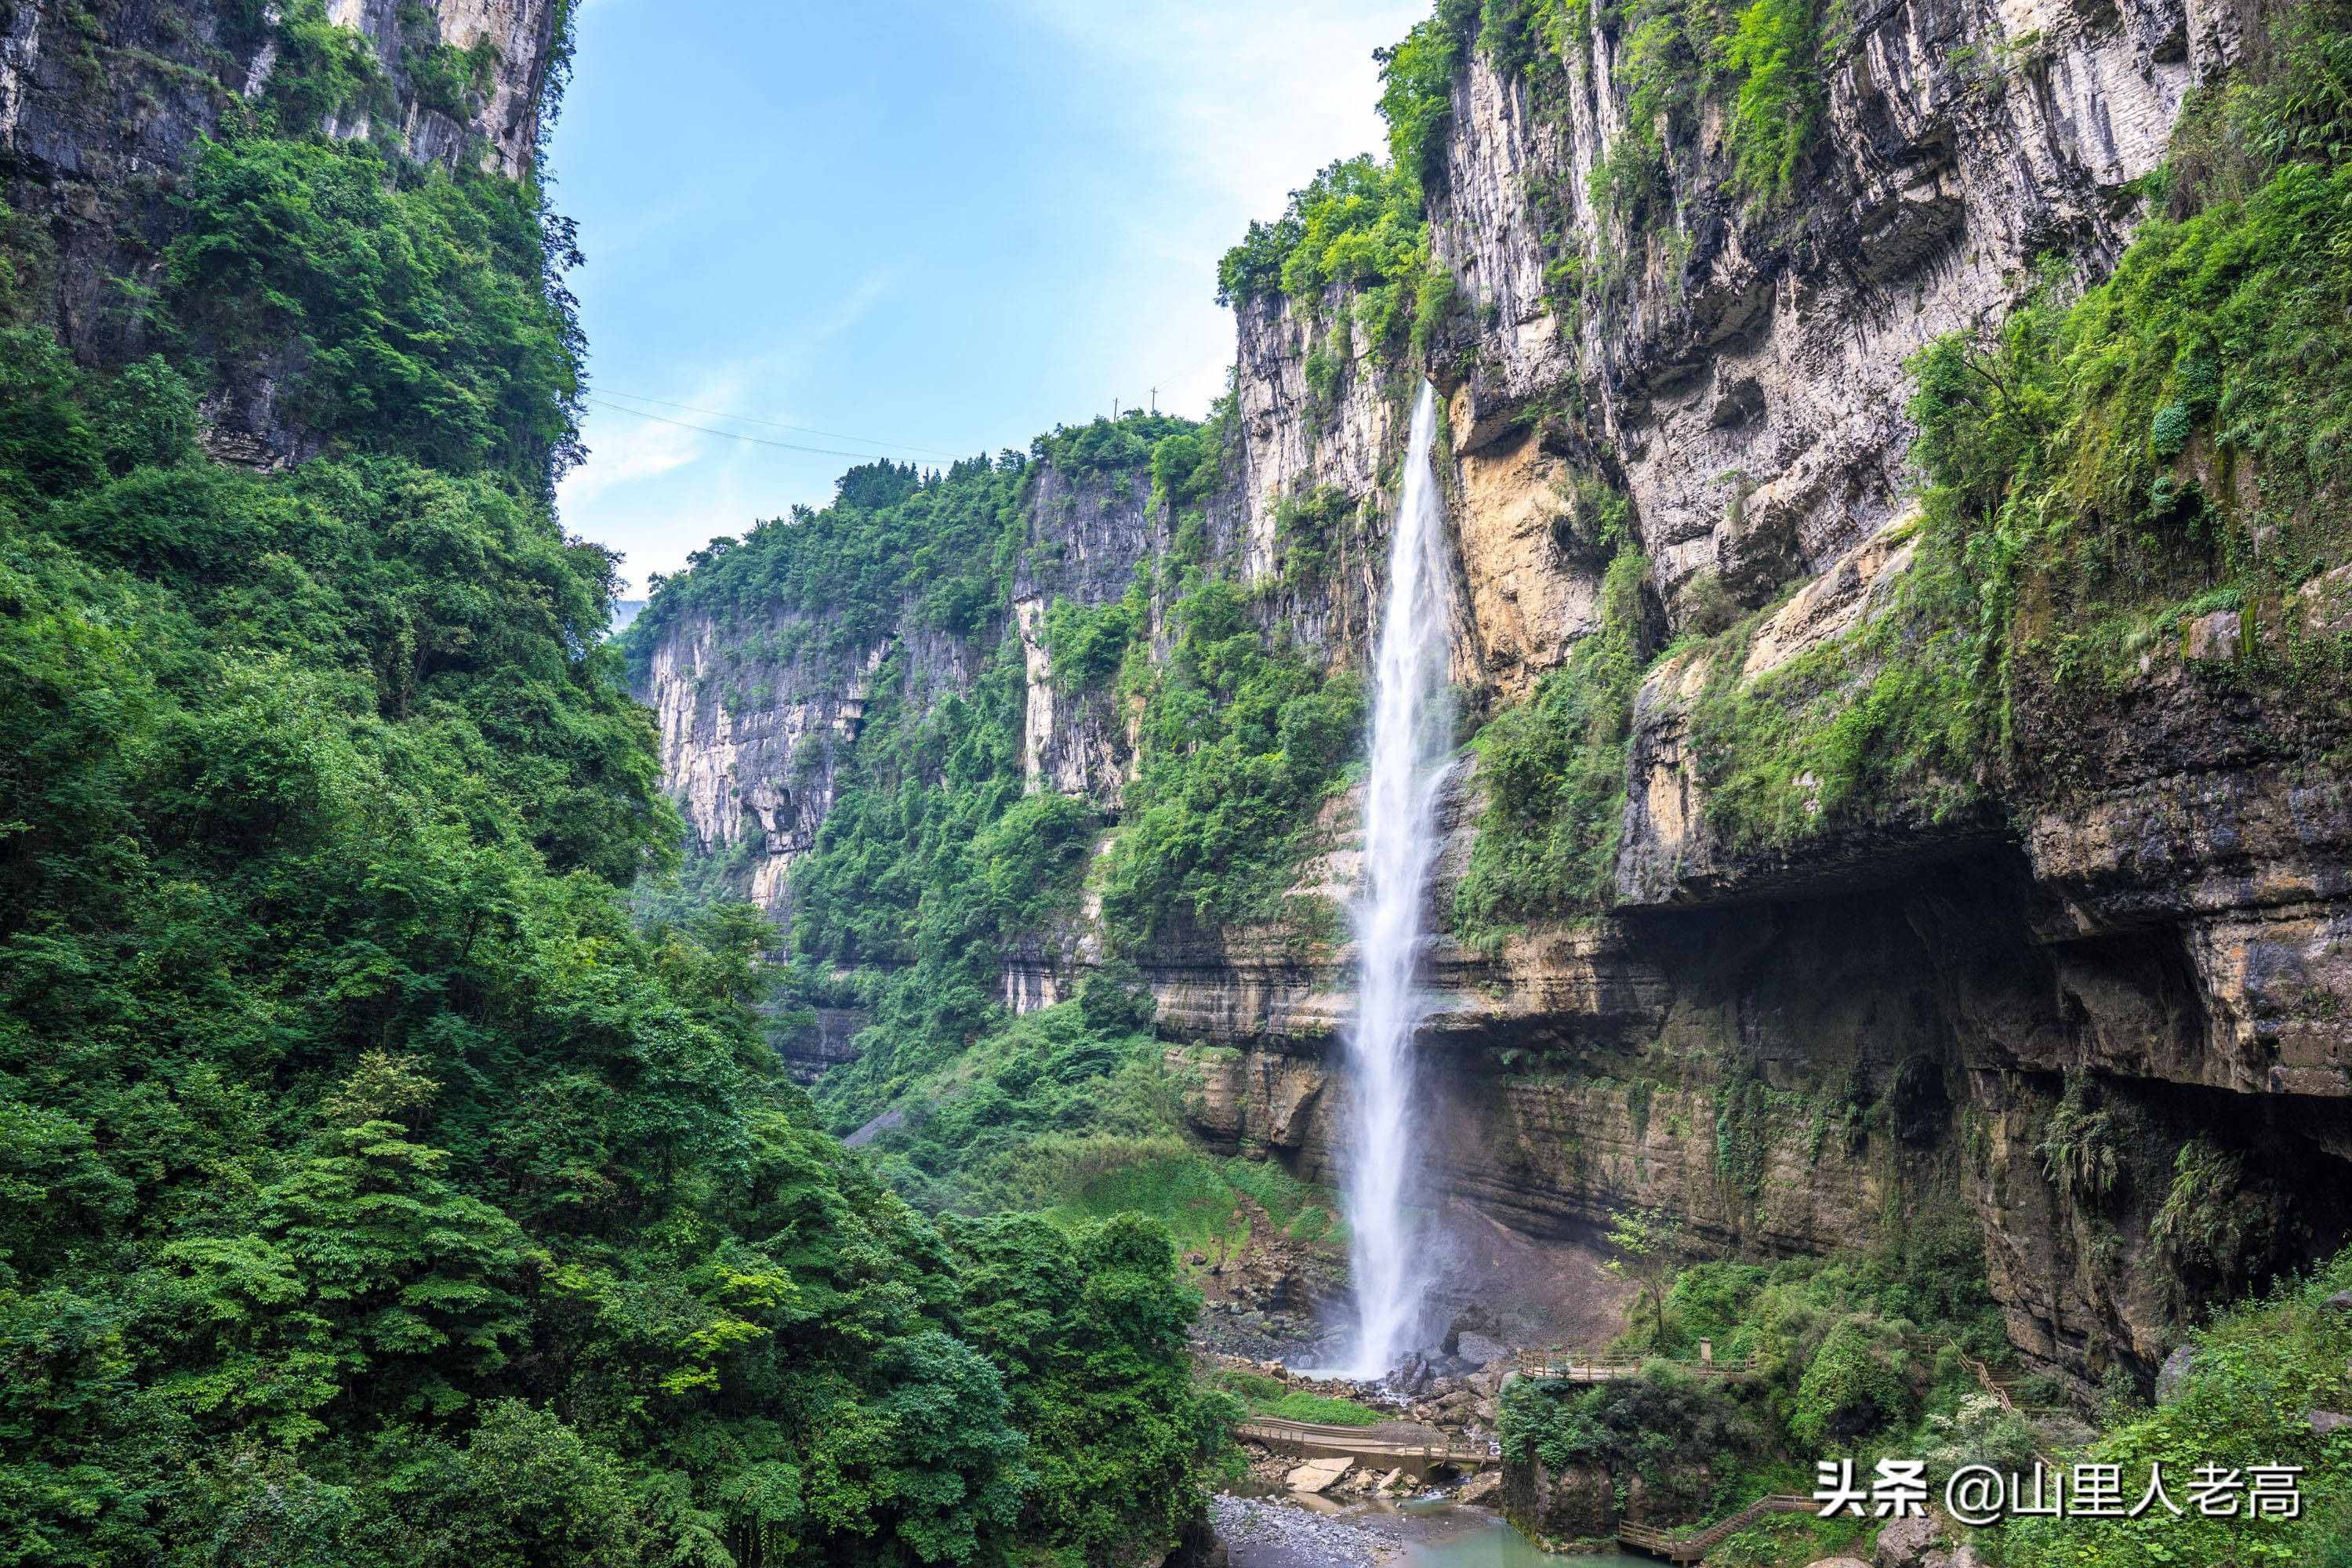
[
  {"x": 1580, "y": 1501},
  {"x": 1473, "y": 1318},
  {"x": 2213, "y": 638},
  {"x": 1481, "y": 1488},
  {"x": 2325, "y": 1421},
  {"x": 1910, "y": 1543},
  {"x": 1837, "y": 1562},
  {"x": 2173, "y": 1374},
  {"x": 1481, "y": 1352},
  {"x": 1318, "y": 1475}
]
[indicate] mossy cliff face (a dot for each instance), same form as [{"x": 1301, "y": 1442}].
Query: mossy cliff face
[
  {"x": 1741, "y": 362},
  {"x": 1849, "y": 934},
  {"x": 104, "y": 107}
]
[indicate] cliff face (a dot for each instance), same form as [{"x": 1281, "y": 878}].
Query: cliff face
[
  {"x": 1750, "y": 389},
  {"x": 2130, "y": 941},
  {"x": 103, "y": 104}
]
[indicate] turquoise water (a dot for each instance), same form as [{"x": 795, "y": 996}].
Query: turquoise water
[{"x": 1496, "y": 1545}]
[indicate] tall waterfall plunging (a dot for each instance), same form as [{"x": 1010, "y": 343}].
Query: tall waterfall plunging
[{"x": 1412, "y": 741}]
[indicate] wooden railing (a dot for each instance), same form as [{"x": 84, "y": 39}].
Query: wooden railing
[
  {"x": 1694, "y": 1547},
  {"x": 1983, "y": 1374},
  {"x": 1535, "y": 1363}
]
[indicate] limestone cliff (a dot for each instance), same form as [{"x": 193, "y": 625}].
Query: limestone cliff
[
  {"x": 102, "y": 105},
  {"x": 2134, "y": 924}
]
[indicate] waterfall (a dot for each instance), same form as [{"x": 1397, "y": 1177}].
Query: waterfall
[{"x": 1412, "y": 741}]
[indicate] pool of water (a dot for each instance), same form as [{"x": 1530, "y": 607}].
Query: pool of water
[
  {"x": 1284, "y": 1531},
  {"x": 1492, "y": 1543}
]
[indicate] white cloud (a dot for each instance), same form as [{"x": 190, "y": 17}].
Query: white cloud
[
  {"x": 1248, "y": 98},
  {"x": 624, "y": 449}
]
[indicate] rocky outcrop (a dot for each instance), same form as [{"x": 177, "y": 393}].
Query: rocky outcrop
[
  {"x": 754, "y": 710},
  {"x": 1088, "y": 534},
  {"x": 748, "y": 736},
  {"x": 516, "y": 35}
]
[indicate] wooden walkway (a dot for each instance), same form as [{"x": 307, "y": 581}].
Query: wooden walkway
[
  {"x": 1394, "y": 1446},
  {"x": 1694, "y": 1548}
]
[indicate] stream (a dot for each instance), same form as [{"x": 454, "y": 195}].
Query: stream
[
  {"x": 1493, "y": 1544},
  {"x": 1285, "y": 1531}
]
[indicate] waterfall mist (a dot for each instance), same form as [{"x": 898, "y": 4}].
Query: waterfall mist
[{"x": 1412, "y": 743}]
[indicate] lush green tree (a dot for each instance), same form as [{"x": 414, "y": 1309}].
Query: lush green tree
[{"x": 375, "y": 1187}]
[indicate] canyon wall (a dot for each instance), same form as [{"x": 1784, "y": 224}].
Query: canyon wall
[
  {"x": 103, "y": 105},
  {"x": 2024, "y": 1008}
]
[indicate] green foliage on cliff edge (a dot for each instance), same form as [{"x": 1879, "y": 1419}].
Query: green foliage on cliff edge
[
  {"x": 942, "y": 544},
  {"x": 1242, "y": 739},
  {"x": 2169, "y": 442},
  {"x": 410, "y": 309},
  {"x": 374, "y": 1190},
  {"x": 1857, "y": 1354},
  {"x": 1551, "y": 773},
  {"x": 2254, "y": 1377},
  {"x": 2115, "y": 461}
]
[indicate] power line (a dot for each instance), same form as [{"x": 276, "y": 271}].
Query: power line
[
  {"x": 739, "y": 436},
  {"x": 773, "y": 424}
]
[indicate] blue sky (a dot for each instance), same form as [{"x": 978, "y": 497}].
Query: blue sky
[{"x": 949, "y": 225}]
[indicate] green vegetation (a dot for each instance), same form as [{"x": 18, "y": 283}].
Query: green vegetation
[
  {"x": 929, "y": 862},
  {"x": 1036, "y": 1114},
  {"x": 1243, "y": 740},
  {"x": 2254, "y": 1376},
  {"x": 2161, "y": 446},
  {"x": 1645, "y": 1241},
  {"x": 1417, "y": 99},
  {"x": 1208, "y": 1203},
  {"x": 1360, "y": 224},
  {"x": 443, "y": 78},
  {"x": 1884, "y": 720},
  {"x": 1773, "y": 53},
  {"x": 374, "y": 1189},
  {"x": 946, "y": 540},
  {"x": 1086, "y": 646},
  {"x": 1262, "y": 1395},
  {"x": 1551, "y": 772},
  {"x": 417, "y": 311},
  {"x": 2116, "y": 461},
  {"x": 1859, "y": 1354}
]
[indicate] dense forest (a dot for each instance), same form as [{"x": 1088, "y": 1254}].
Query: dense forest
[{"x": 376, "y": 1189}]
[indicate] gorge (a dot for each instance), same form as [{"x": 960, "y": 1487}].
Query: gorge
[
  {"x": 1900, "y": 808},
  {"x": 1726, "y": 755}
]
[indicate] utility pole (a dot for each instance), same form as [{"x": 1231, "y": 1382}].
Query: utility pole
[{"x": 1155, "y": 399}]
